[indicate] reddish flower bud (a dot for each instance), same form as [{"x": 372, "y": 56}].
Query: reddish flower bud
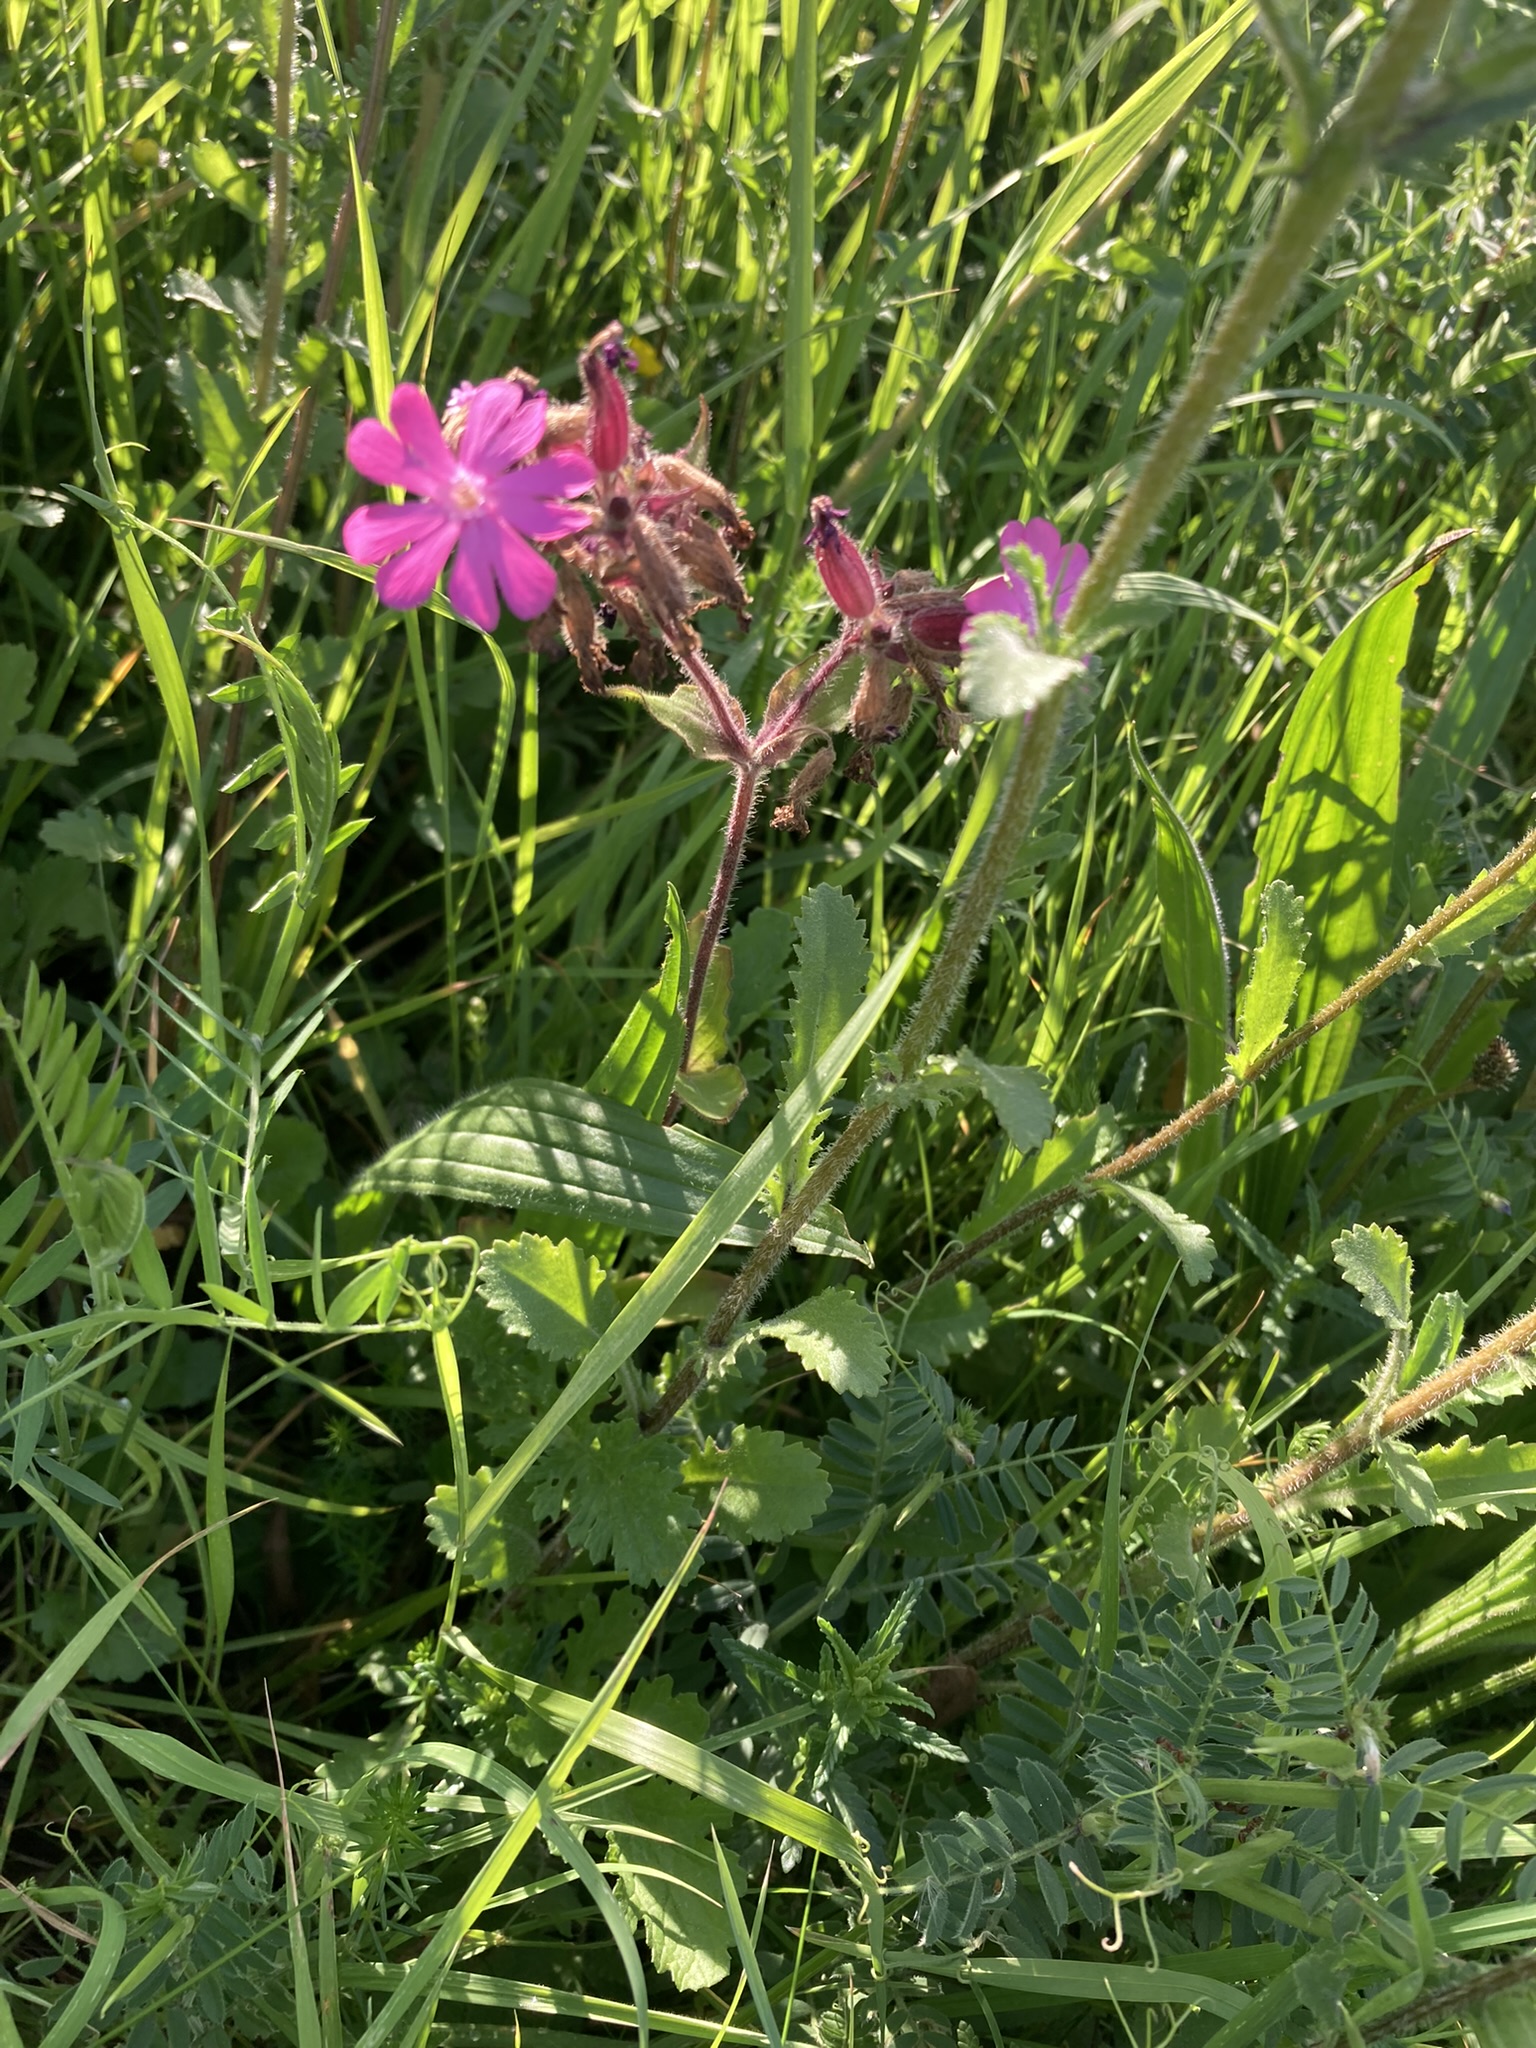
[
  {"x": 841, "y": 563},
  {"x": 608, "y": 436},
  {"x": 937, "y": 628}
]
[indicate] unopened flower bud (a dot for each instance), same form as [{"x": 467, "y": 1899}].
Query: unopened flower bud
[
  {"x": 608, "y": 435},
  {"x": 840, "y": 562},
  {"x": 937, "y": 627}
]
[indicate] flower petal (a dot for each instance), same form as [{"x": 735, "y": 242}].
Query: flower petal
[
  {"x": 472, "y": 579},
  {"x": 1008, "y": 593},
  {"x": 415, "y": 421},
  {"x": 375, "y": 532},
  {"x": 408, "y": 580},
  {"x": 1042, "y": 539},
  {"x": 503, "y": 423},
  {"x": 1073, "y": 564},
  {"x": 527, "y": 581},
  {"x": 374, "y": 452},
  {"x": 530, "y": 499}
]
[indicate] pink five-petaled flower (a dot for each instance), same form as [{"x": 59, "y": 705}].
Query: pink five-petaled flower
[
  {"x": 1010, "y": 592},
  {"x": 481, "y": 498}
]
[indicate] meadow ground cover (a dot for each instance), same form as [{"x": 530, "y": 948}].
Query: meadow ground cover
[{"x": 766, "y": 1127}]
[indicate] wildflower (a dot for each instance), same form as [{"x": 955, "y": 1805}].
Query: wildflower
[
  {"x": 601, "y": 361},
  {"x": 840, "y": 562},
  {"x": 1061, "y": 570},
  {"x": 480, "y": 501}
]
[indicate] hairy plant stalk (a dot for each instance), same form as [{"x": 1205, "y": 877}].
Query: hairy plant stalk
[
  {"x": 748, "y": 783},
  {"x": 1314, "y": 202},
  {"x": 776, "y": 729},
  {"x": 1455, "y": 2001},
  {"x": 1226, "y": 1092},
  {"x": 1410, "y": 1411},
  {"x": 726, "y": 712}
]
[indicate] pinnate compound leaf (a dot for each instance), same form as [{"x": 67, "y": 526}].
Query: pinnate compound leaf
[
  {"x": 1264, "y": 1008},
  {"x": 556, "y": 1296},
  {"x": 1190, "y": 1240},
  {"x": 1018, "y": 1098},
  {"x": 504, "y": 1552},
  {"x": 1376, "y": 1264},
  {"x": 774, "y": 1484},
  {"x": 626, "y": 1503},
  {"x": 838, "y": 1338},
  {"x": 1004, "y": 674}
]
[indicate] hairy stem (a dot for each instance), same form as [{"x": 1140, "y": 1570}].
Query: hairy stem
[
  {"x": 1227, "y": 1091},
  {"x": 1410, "y": 1411},
  {"x": 748, "y": 782},
  {"x": 783, "y": 722},
  {"x": 730, "y": 724},
  {"x": 1453, "y": 2001},
  {"x": 1308, "y": 212}
]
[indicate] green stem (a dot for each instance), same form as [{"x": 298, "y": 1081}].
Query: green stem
[{"x": 1309, "y": 211}]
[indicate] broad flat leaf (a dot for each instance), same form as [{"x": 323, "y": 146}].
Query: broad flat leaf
[
  {"x": 665, "y": 1876},
  {"x": 716, "y": 1094},
  {"x": 759, "y": 962},
  {"x": 1003, "y": 674},
  {"x": 1470, "y": 1480},
  {"x": 503, "y": 1551},
  {"x": 133, "y": 1646},
  {"x": 640, "y": 1067},
  {"x": 1194, "y": 950},
  {"x": 1412, "y": 1486},
  {"x": 626, "y": 1503},
  {"x": 1328, "y": 828},
  {"x": 556, "y": 1296},
  {"x": 1076, "y": 1144},
  {"x": 87, "y": 833},
  {"x": 1264, "y": 1007},
  {"x": 685, "y": 712},
  {"x": 1190, "y": 1240},
  {"x": 560, "y": 1149},
  {"x": 1018, "y": 1098},
  {"x": 1437, "y": 1339},
  {"x": 949, "y": 1321},
  {"x": 1376, "y": 1264},
  {"x": 710, "y": 1085},
  {"x": 838, "y": 1338},
  {"x": 18, "y": 675},
  {"x": 774, "y": 1485}
]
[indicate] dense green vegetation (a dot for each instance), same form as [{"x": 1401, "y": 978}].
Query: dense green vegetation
[{"x": 433, "y": 1616}]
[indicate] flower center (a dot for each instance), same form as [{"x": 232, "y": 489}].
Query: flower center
[{"x": 466, "y": 494}]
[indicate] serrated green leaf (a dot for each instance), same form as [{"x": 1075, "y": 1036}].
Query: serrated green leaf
[
  {"x": 830, "y": 971},
  {"x": 1191, "y": 1241},
  {"x": 774, "y": 1485},
  {"x": 1508, "y": 901},
  {"x": 1003, "y": 674},
  {"x": 1412, "y": 1486},
  {"x": 1018, "y": 1097},
  {"x": 626, "y": 1503},
  {"x": 555, "y": 1295},
  {"x": 838, "y": 1338},
  {"x": 547, "y": 1145},
  {"x": 1264, "y": 1007},
  {"x": 1376, "y": 1264},
  {"x": 664, "y": 1874},
  {"x": 504, "y": 1549}
]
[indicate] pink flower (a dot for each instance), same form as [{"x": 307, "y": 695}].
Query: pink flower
[
  {"x": 1010, "y": 592},
  {"x": 481, "y": 498}
]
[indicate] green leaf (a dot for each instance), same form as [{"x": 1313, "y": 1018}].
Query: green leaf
[
  {"x": 570, "y": 1153},
  {"x": 18, "y": 675},
  {"x": 1376, "y": 1264},
  {"x": 556, "y": 1296},
  {"x": 213, "y": 166},
  {"x": 1412, "y": 1486},
  {"x": 1018, "y": 1098},
  {"x": 1437, "y": 1340},
  {"x": 640, "y": 1067},
  {"x": 948, "y": 1321},
  {"x": 709, "y": 1084},
  {"x": 1508, "y": 901},
  {"x": 1328, "y": 828},
  {"x": 134, "y": 1646},
  {"x": 503, "y": 1550},
  {"x": 626, "y": 1503},
  {"x": 1003, "y": 674},
  {"x": 87, "y": 833},
  {"x": 838, "y": 1338},
  {"x": 665, "y": 1876},
  {"x": 1076, "y": 1144},
  {"x": 716, "y": 1094},
  {"x": 774, "y": 1485},
  {"x": 1501, "y": 1596},
  {"x": 1264, "y": 1007},
  {"x": 685, "y": 712},
  {"x": 218, "y": 418},
  {"x": 1191, "y": 1241},
  {"x": 830, "y": 972},
  {"x": 106, "y": 1206}
]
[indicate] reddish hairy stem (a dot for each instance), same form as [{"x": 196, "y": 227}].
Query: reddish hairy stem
[
  {"x": 1225, "y": 1092},
  {"x": 785, "y": 720},
  {"x": 748, "y": 782}
]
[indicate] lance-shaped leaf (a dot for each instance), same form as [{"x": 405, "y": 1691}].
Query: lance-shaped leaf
[
  {"x": 1264, "y": 1007},
  {"x": 566, "y": 1152}
]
